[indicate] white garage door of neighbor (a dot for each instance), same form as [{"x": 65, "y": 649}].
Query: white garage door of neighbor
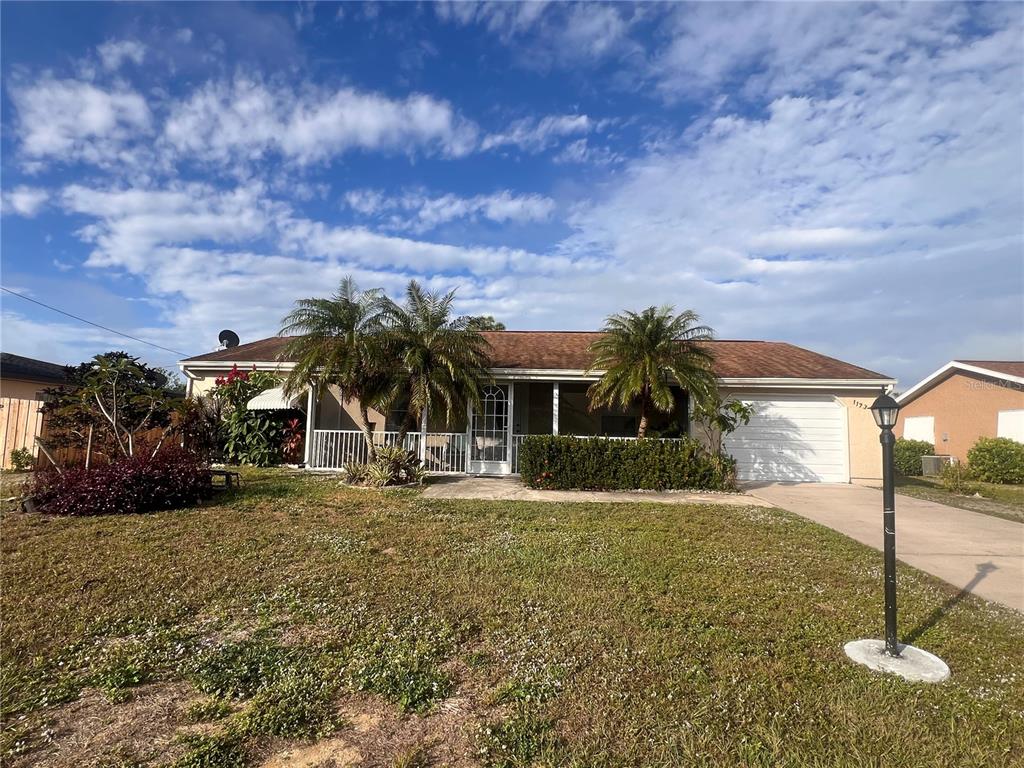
[{"x": 792, "y": 439}]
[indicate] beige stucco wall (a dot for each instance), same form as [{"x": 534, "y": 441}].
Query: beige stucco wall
[
  {"x": 965, "y": 406},
  {"x": 20, "y": 389},
  {"x": 863, "y": 434},
  {"x": 332, "y": 413}
]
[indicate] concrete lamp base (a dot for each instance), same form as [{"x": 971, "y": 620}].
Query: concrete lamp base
[{"x": 912, "y": 664}]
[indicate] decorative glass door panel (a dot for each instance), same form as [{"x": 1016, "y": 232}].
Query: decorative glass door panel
[{"x": 490, "y": 446}]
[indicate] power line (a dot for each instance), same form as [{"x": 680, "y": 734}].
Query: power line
[{"x": 90, "y": 322}]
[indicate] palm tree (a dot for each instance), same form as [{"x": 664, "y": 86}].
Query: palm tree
[
  {"x": 340, "y": 341},
  {"x": 636, "y": 352},
  {"x": 442, "y": 360}
]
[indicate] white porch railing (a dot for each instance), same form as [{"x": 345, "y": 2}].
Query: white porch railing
[
  {"x": 446, "y": 452},
  {"x": 334, "y": 448}
]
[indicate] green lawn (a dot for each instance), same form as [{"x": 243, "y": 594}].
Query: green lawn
[
  {"x": 297, "y": 616},
  {"x": 1005, "y": 501}
]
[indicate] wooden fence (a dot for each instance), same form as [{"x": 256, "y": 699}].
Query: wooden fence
[{"x": 21, "y": 422}]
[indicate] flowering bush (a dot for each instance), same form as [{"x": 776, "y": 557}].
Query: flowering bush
[
  {"x": 172, "y": 478},
  {"x": 250, "y": 437}
]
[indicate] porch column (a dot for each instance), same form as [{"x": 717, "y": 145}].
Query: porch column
[
  {"x": 423, "y": 436},
  {"x": 554, "y": 408},
  {"x": 310, "y": 423}
]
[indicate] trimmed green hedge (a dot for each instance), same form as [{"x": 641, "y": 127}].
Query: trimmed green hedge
[
  {"x": 907, "y": 455},
  {"x": 997, "y": 460},
  {"x": 566, "y": 462}
]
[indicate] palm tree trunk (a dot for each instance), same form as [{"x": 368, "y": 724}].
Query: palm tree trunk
[
  {"x": 641, "y": 431},
  {"x": 364, "y": 425},
  {"x": 408, "y": 425}
]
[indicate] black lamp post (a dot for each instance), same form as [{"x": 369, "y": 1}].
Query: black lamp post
[{"x": 885, "y": 410}]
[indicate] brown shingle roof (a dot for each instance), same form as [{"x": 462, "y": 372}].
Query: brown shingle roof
[
  {"x": 1009, "y": 367},
  {"x": 569, "y": 350}
]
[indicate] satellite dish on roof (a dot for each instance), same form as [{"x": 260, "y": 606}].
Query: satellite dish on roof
[{"x": 228, "y": 338}]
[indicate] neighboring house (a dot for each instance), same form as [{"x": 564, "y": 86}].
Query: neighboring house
[
  {"x": 962, "y": 401},
  {"x": 812, "y": 423},
  {"x": 22, "y": 381}
]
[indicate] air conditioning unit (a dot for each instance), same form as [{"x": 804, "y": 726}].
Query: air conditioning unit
[{"x": 932, "y": 465}]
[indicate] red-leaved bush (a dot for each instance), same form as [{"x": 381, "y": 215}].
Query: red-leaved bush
[{"x": 171, "y": 479}]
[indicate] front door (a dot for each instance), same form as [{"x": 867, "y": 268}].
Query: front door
[{"x": 489, "y": 432}]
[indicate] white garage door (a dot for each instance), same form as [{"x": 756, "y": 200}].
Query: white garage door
[{"x": 794, "y": 439}]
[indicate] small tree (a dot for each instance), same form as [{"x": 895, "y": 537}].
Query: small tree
[
  {"x": 106, "y": 403},
  {"x": 340, "y": 342},
  {"x": 720, "y": 418},
  {"x": 641, "y": 353},
  {"x": 442, "y": 361}
]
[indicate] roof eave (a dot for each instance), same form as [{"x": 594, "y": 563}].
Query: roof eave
[{"x": 938, "y": 376}]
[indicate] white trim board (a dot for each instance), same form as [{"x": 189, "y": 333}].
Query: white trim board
[{"x": 954, "y": 365}]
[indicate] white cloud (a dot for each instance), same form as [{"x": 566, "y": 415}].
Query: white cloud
[
  {"x": 25, "y": 201},
  {"x": 245, "y": 119},
  {"x": 535, "y": 134},
  {"x": 581, "y": 151},
  {"x": 212, "y": 257},
  {"x": 74, "y": 120},
  {"x": 419, "y": 212},
  {"x": 114, "y": 53},
  {"x": 541, "y": 32},
  {"x": 893, "y": 201}
]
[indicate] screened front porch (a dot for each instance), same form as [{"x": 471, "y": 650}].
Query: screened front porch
[{"x": 482, "y": 441}]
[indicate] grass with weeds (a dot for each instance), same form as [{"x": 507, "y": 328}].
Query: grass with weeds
[
  {"x": 222, "y": 750},
  {"x": 299, "y": 704},
  {"x": 1005, "y": 501},
  {"x": 519, "y": 741},
  {"x": 400, "y": 662},
  {"x": 583, "y": 634},
  {"x": 207, "y": 710}
]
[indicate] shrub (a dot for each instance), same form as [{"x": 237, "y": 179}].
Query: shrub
[
  {"x": 171, "y": 479},
  {"x": 22, "y": 459},
  {"x": 997, "y": 460},
  {"x": 393, "y": 466},
  {"x": 907, "y": 455},
  {"x": 561, "y": 461},
  {"x": 956, "y": 477}
]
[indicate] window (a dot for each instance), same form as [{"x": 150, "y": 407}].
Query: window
[
  {"x": 1010, "y": 424},
  {"x": 919, "y": 428}
]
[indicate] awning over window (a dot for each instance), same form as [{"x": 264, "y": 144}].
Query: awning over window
[{"x": 275, "y": 400}]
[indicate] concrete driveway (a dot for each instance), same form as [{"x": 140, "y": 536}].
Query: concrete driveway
[{"x": 969, "y": 550}]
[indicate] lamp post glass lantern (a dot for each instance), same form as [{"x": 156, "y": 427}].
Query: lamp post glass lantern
[{"x": 885, "y": 410}]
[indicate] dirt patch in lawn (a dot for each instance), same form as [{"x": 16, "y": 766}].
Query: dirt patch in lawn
[
  {"x": 377, "y": 733},
  {"x": 92, "y": 731}
]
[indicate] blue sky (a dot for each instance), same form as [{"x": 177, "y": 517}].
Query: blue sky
[{"x": 845, "y": 177}]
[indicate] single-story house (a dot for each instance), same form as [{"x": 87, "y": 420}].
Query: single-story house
[
  {"x": 962, "y": 401},
  {"x": 812, "y": 419},
  {"x": 22, "y": 381}
]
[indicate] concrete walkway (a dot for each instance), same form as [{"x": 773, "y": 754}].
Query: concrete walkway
[
  {"x": 512, "y": 489},
  {"x": 971, "y": 551}
]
